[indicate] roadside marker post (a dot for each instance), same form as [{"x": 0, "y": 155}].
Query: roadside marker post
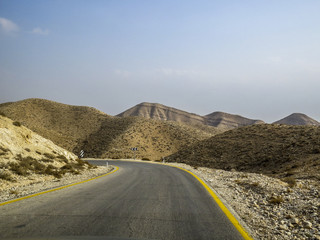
[
  {"x": 134, "y": 152},
  {"x": 81, "y": 154}
]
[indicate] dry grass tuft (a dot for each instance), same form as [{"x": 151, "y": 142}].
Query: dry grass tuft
[{"x": 276, "y": 200}]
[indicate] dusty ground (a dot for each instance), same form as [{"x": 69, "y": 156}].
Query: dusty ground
[
  {"x": 272, "y": 209},
  {"x": 36, "y": 183}
]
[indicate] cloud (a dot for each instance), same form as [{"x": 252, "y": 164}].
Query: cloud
[
  {"x": 8, "y": 26},
  {"x": 40, "y": 31}
]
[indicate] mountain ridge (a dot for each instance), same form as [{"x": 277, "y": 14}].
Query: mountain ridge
[
  {"x": 298, "y": 119},
  {"x": 216, "y": 119},
  {"x": 77, "y": 127}
]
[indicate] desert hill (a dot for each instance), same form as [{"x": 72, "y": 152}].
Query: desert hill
[
  {"x": 24, "y": 153},
  {"x": 100, "y": 135},
  {"x": 162, "y": 112},
  {"x": 298, "y": 119},
  {"x": 64, "y": 124},
  {"x": 154, "y": 139},
  {"x": 229, "y": 121},
  {"x": 278, "y": 150}
]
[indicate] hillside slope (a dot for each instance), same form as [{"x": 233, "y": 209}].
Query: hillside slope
[
  {"x": 64, "y": 124},
  {"x": 162, "y": 112},
  {"x": 100, "y": 135},
  {"x": 298, "y": 119},
  {"x": 229, "y": 121},
  {"x": 270, "y": 149},
  {"x": 154, "y": 139},
  {"x": 24, "y": 153}
]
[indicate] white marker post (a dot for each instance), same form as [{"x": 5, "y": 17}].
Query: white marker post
[{"x": 81, "y": 154}]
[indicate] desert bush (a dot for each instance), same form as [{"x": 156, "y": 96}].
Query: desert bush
[
  {"x": 80, "y": 164},
  {"x": 145, "y": 159},
  {"x": 27, "y": 149},
  {"x": 63, "y": 158},
  {"x": 16, "y": 123},
  {"x": 5, "y": 175},
  {"x": 3, "y": 114},
  {"x": 38, "y": 152},
  {"x": 255, "y": 184},
  {"x": 276, "y": 200},
  {"x": 3, "y": 151},
  {"x": 15, "y": 192},
  {"x": 67, "y": 167},
  {"x": 18, "y": 157},
  {"x": 49, "y": 155},
  {"x": 39, "y": 167},
  {"x": 290, "y": 180},
  {"x": 50, "y": 169},
  {"x": 18, "y": 169}
]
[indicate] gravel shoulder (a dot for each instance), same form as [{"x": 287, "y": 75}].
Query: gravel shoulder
[
  {"x": 271, "y": 208},
  {"x": 35, "y": 183}
]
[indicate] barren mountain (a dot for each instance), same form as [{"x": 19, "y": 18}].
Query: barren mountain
[
  {"x": 229, "y": 121},
  {"x": 161, "y": 112},
  {"x": 154, "y": 139},
  {"x": 298, "y": 119},
  {"x": 64, "y": 124},
  {"x": 75, "y": 128},
  {"x": 279, "y": 150}
]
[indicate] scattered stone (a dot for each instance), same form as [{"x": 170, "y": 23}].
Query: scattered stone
[
  {"x": 296, "y": 217},
  {"x": 307, "y": 224}
]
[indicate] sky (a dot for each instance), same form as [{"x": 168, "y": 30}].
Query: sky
[{"x": 259, "y": 59}]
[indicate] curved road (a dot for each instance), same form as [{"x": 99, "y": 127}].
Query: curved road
[{"x": 139, "y": 201}]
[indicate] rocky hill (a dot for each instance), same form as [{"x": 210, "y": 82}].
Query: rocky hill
[
  {"x": 278, "y": 150},
  {"x": 162, "y": 112},
  {"x": 154, "y": 139},
  {"x": 229, "y": 121},
  {"x": 64, "y": 124},
  {"x": 100, "y": 135},
  {"x": 24, "y": 153},
  {"x": 298, "y": 119}
]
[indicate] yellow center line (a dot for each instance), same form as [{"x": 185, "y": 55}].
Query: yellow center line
[{"x": 56, "y": 189}]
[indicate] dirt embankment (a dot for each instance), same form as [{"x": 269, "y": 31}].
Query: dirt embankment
[{"x": 26, "y": 157}]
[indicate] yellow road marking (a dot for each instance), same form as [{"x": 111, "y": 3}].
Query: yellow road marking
[
  {"x": 232, "y": 219},
  {"x": 56, "y": 189}
]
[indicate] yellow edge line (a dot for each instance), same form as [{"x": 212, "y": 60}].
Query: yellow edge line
[
  {"x": 232, "y": 219},
  {"x": 56, "y": 189}
]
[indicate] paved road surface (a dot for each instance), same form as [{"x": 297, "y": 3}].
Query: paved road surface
[{"x": 140, "y": 201}]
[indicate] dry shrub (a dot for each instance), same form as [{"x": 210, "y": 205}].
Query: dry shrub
[
  {"x": 16, "y": 123},
  {"x": 18, "y": 169},
  {"x": 290, "y": 180},
  {"x": 276, "y": 200},
  {"x": 49, "y": 155},
  {"x": 5, "y": 175},
  {"x": 63, "y": 158}
]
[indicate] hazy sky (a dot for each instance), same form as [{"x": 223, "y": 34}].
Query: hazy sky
[{"x": 259, "y": 59}]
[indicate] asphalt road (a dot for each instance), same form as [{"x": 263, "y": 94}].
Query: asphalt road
[{"x": 139, "y": 201}]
